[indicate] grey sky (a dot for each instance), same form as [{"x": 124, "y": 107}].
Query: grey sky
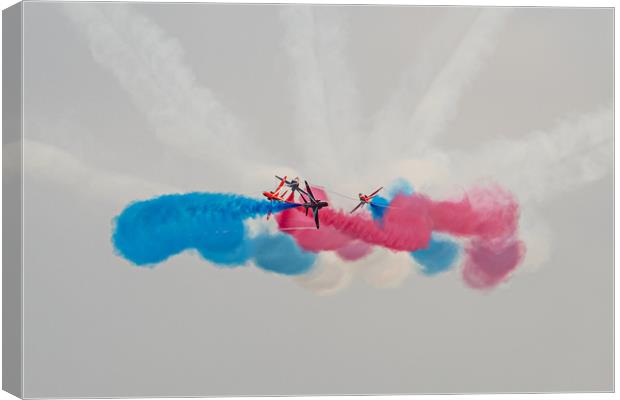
[{"x": 125, "y": 102}]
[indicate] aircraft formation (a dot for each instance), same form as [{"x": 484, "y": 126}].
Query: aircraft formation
[{"x": 310, "y": 202}]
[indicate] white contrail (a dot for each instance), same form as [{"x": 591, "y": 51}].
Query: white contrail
[
  {"x": 544, "y": 164},
  {"x": 382, "y": 269},
  {"x": 149, "y": 65},
  {"x": 329, "y": 275},
  {"x": 439, "y": 103},
  {"x": 385, "y": 269},
  {"x": 430, "y": 55},
  {"x": 51, "y": 164},
  {"x": 325, "y": 95}
]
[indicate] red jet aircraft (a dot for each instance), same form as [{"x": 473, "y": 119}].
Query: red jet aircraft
[
  {"x": 275, "y": 195},
  {"x": 365, "y": 199}
]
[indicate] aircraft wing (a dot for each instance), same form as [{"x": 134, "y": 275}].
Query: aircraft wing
[
  {"x": 309, "y": 191},
  {"x": 381, "y": 205},
  {"x": 375, "y": 192},
  {"x": 301, "y": 193},
  {"x": 280, "y": 185},
  {"x": 356, "y": 207},
  {"x": 280, "y": 178}
]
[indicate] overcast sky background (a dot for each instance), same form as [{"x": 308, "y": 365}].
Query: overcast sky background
[{"x": 126, "y": 102}]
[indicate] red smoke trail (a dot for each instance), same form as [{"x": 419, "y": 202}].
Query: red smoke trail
[
  {"x": 488, "y": 264},
  {"x": 407, "y": 228},
  {"x": 490, "y": 213},
  {"x": 488, "y": 217},
  {"x": 491, "y": 217}
]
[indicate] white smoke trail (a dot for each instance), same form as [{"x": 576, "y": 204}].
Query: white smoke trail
[
  {"x": 430, "y": 55},
  {"x": 541, "y": 165},
  {"x": 439, "y": 104},
  {"x": 325, "y": 95},
  {"x": 52, "y": 164},
  {"x": 149, "y": 65},
  {"x": 535, "y": 166},
  {"x": 545, "y": 165},
  {"x": 538, "y": 239},
  {"x": 385, "y": 269},
  {"x": 382, "y": 269},
  {"x": 328, "y": 276}
]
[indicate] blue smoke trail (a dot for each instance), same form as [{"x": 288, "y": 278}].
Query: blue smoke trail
[
  {"x": 280, "y": 253},
  {"x": 228, "y": 246},
  {"x": 439, "y": 256},
  {"x": 148, "y": 232},
  {"x": 399, "y": 186},
  {"x": 378, "y": 205}
]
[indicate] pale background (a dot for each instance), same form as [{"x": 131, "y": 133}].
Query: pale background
[{"x": 127, "y": 102}]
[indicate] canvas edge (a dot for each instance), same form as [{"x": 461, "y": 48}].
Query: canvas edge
[{"x": 12, "y": 208}]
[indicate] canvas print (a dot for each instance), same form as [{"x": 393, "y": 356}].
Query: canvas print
[{"x": 254, "y": 199}]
